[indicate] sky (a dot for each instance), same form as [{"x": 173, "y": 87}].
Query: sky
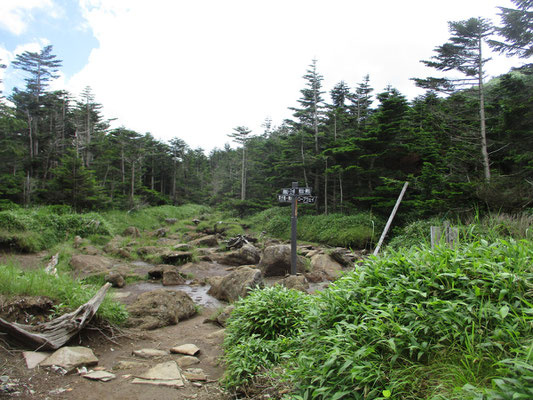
[{"x": 197, "y": 69}]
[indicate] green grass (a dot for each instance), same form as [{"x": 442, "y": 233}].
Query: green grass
[
  {"x": 355, "y": 231},
  {"x": 68, "y": 293}
]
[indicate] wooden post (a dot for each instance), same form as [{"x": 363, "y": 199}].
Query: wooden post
[
  {"x": 294, "y": 217},
  {"x": 389, "y": 222}
]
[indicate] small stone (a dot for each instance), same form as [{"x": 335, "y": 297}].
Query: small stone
[
  {"x": 195, "y": 374},
  {"x": 128, "y": 365},
  {"x": 103, "y": 376},
  {"x": 187, "y": 361},
  {"x": 217, "y": 335},
  {"x": 150, "y": 353},
  {"x": 188, "y": 349},
  {"x": 164, "y": 374}
]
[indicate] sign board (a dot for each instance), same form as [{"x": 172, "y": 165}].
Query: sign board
[
  {"x": 302, "y": 194},
  {"x": 287, "y": 198}
]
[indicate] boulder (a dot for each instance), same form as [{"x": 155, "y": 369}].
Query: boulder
[
  {"x": 176, "y": 257},
  {"x": 78, "y": 241},
  {"x": 170, "y": 221},
  {"x": 276, "y": 261},
  {"x": 343, "y": 256},
  {"x": 84, "y": 265},
  {"x": 131, "y": 231},
  {"x": 297, "y": 282},
  {"x": 160, "y": 308},
  {"x": 149, "y": 250},
  {"x": 205, "y": 241},
  {"x": 246, "y": 255},
  {"x": 161, "y": 232},
  {"x": 172, "y": 277},
  {"x": 157, "y": 271},
  {"x": 236, "y": 285},
  {"x": 323, "y": 263},
  {"x": 116, "y": 279}
]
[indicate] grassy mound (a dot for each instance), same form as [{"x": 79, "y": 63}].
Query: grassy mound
[
  {"x": 416, "y": 324},
  {"x": 68, "y": 293},
  {"x": 356, "y": 231}
]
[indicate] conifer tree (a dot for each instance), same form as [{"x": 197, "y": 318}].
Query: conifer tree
[
  {"x": 516, "y": 30},
  {"x": 463, "y": 53},
  {"x": 240, "y": 135}
]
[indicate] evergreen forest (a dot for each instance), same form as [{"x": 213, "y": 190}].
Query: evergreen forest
[{"x": 465, "y": 144}]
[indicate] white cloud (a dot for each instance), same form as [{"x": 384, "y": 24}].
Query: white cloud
[
  {"x": 15, "y": 15},
  {"x": 197, "y": 69}
]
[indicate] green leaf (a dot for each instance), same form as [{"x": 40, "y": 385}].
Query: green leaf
[
  {"x": 386, "y": 393},
  {"x": 504, "y": 311}
]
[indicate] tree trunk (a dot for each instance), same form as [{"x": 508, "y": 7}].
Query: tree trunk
[
  {"x": 326, "y": 188},
  {"x": 484, "y": 151}
]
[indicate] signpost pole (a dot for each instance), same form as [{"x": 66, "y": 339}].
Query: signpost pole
[{"x": 293, "y": 228}]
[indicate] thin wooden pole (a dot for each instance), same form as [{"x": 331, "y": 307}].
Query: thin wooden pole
[{"x": 389, "y": 222}]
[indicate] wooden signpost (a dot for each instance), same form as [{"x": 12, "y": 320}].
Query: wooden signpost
[{"x": 295, "y": 195}]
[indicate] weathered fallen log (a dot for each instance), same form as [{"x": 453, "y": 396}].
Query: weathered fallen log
[{"x": 55, "y": 333}]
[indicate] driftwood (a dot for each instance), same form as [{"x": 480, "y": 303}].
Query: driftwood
[{"x": 55, "y": 333}]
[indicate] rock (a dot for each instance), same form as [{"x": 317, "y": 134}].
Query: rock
[
  {"x": 115, "y": 279},
  {"x": 156, "y": 272},
  {"x": 322, "y": 263},
  {"x": 224, "y": 315},
  {"x": 276, "y": 261},
  {"x": 187, "y": 361},
  {"x": 161, "y": 232},
  {"x": 84, "y": 265},
  {"x": 298, "y": 282},
  {"x": 164, "y": 374},
  {"x": 103, "y": 376},
  {"x": 33, "y": 358},
  {"x": 246, "y": 255},
  {"x": 176, "y": 257},
  {"x": 128, "y": 364},
  {"x": 149, "y": 250},
  {"x": 78, "y": 241},
  {"x": 160, "y": 308},
  {"x": 236, "y": 285},
  {"x": 182, "y": 247},
  {"x": 195, "y": 374},
  {"x": 188, "y": 349},
  {"x": 167, "y": 242},
  {"x": 71, "y": 358},
  {"x": 150, "y": 353},
  {"x": 131, "y": 231},
  {"x": 91, "y": 250},
  {"x": 172, "y": 277},
  {"x": 343, "y": 257},
  {"x": 170, "y": 221},
  {"x": 217, "y": 335},
  {"x": 205, "y": 241}
]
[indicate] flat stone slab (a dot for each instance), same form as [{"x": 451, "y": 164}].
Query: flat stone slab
[
  {"x": 150, "y": 353},
  {"x": 165, "y": 374},
  {"x": 103, "y": 376},
  {"x": 188, "y": 349},
  {"x": 34, "y": 358},
  {"x": 187, "y": 361},
  {"x": 70, "y": 358}
]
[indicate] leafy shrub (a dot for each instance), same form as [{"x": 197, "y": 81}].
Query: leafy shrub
[
  {"x": 411, "y": 308},
  {"x": 261, "y": 329}
]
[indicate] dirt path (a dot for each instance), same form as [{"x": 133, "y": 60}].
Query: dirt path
[{"x": 43, "y": 384}]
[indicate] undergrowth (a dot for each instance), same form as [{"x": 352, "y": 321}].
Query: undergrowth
[
  {"x": 356, "y": 231},
  {"x": 413, "y": 324}
]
